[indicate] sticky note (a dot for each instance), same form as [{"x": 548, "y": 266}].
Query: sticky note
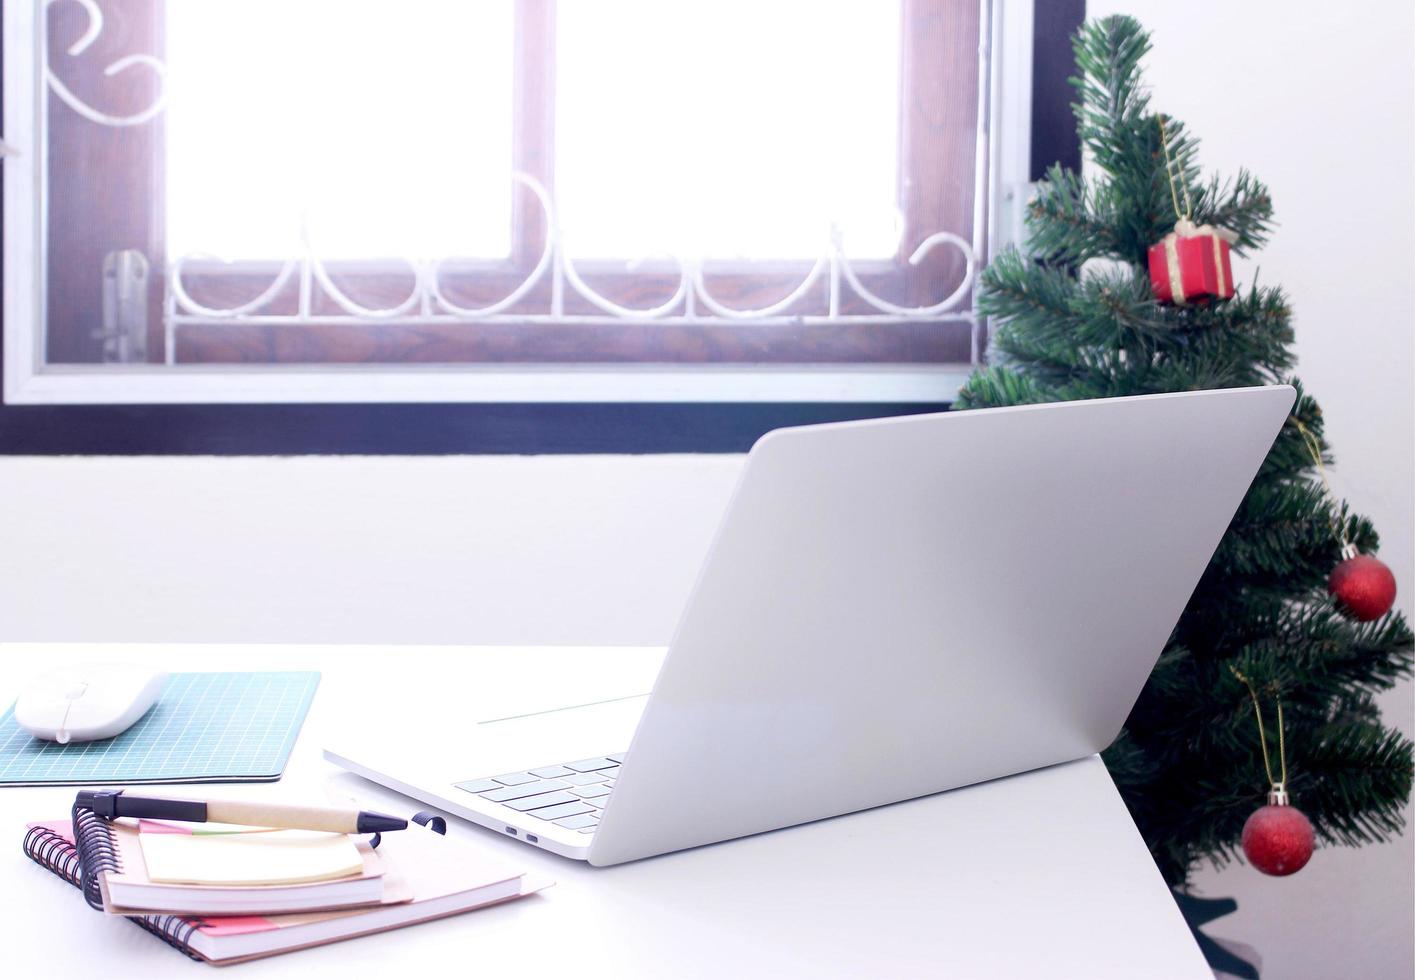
[{"x": 275, "y": 857}]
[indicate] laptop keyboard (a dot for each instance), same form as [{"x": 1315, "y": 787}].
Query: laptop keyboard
[{"x": 569, "y": 795}]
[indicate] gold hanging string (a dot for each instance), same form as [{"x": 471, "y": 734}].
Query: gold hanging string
[
  {"x": 1315, "y": 448},
  {"x": 1174, "y": 183},
  {"x": 1262, "y": 736}
]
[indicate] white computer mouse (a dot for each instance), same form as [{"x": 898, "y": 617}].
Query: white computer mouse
[{"x": 87, "y": 702}]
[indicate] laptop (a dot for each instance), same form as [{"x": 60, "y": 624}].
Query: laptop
[{"x": 890, "y": 609}]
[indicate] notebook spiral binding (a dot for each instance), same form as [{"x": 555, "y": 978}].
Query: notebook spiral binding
[
  {"x": 55, "y": 854},
  {"x": 95, "y": 851}
]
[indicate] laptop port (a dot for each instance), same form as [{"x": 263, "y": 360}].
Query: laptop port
[
  {"x": 533, "y": 838},
  {"x": 511, "y": 831}
]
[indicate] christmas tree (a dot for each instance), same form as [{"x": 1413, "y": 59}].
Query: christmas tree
[{"x": 1077, "y": 316}]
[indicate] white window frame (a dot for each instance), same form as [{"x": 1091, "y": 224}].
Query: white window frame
[{"x": 1003, "y": 158}]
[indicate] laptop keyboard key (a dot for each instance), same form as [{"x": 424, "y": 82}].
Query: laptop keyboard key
[
  {"x": 585, "y": 778},
  {"x": 552, "y": 772},
  {"x": 588, "y": 830},
  {"x": 544, "y": 799},
  {"x": 615, "y": 758},
  {"x": 569, "y": 809},
  {"x": 578, "y": 821},
  {"x": 535, "y": 786},
  {"x": 592, "y": 765},
  {"x": 588, "y": 791},
  {"x": 479, "y": 785},
  {"x": 515, "y": 778}
]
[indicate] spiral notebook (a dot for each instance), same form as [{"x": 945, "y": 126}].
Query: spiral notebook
[{"x": 444, "y": 877}]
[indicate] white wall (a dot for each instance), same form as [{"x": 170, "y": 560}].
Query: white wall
[
  {"x": 1317, "y": 100},
  {"x": 355, "y": 550}
]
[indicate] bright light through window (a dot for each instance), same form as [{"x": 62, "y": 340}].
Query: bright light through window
[
  {"x": 737, "y": 128},
  {"x": 386, "y": 126}
]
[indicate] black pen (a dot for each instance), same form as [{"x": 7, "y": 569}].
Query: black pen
[{"x": 115, "y": 803}]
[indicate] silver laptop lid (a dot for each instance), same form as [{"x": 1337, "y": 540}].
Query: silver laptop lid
[{"x": 893, "y": 608}]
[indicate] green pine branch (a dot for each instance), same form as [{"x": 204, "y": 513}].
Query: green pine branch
[
  {"x": 1354, "y": 782},
  {"x": 1242, "y": 207},
  {"x": 1314, "y": 655},
  {"x": 1068, "y": 221}
]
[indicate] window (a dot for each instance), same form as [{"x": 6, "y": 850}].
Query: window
[{"x": 507, "y": 202}]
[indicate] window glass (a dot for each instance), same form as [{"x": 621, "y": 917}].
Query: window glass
[
  {"x": 384, "y": 129},
  {"x": 737, "y": 129}
]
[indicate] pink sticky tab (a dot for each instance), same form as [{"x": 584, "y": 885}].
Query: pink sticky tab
[{"x": 234, "y": 925}]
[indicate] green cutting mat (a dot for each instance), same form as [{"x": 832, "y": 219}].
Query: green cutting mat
[{"x": 205, "y": 728}]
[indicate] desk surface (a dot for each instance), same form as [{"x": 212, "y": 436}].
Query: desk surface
[{"x": 1041, "y": 875}]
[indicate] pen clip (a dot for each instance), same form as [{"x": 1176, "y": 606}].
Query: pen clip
[
  {"x": 430, "y": 820},
  {"x": 103, "y": 802},
  {"x": 423, "y": 818}
]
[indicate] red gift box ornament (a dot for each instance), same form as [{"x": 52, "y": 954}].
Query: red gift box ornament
[{"x": 1191, "y": 264}]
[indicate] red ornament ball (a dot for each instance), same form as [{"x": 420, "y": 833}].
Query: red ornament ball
[
  {"x": 1364, "y": 587},
  {"x": 1278, "y": 839}
]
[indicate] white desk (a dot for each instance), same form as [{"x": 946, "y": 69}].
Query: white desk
[{"x": 1041, "y": 875}]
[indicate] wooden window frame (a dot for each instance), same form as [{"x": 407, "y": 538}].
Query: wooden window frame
[
  {"x": 481, "y": 427},
  {"x": 936, "y": 187}
]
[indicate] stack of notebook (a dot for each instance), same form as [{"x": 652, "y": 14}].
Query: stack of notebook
[{"x": 225, "y": 895}]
